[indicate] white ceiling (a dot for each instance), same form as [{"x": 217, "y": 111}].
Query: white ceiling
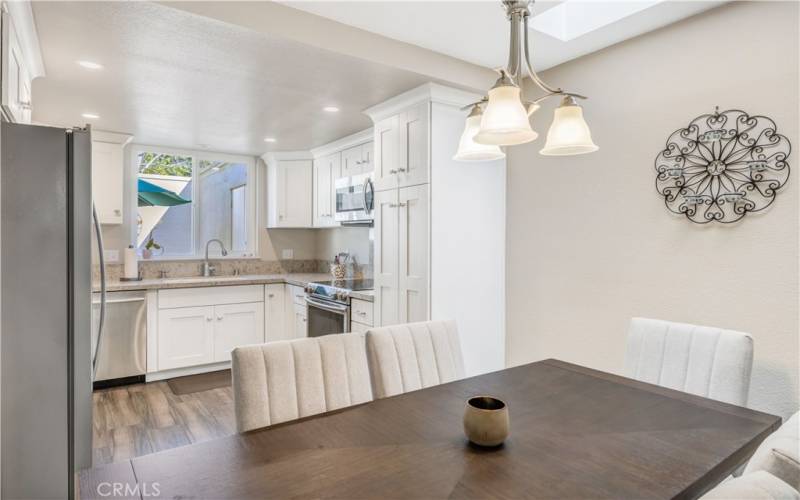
[
  {"x": 477, "y": 31},
  {"x": 176, "y": 79}
]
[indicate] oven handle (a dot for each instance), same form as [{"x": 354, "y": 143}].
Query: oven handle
[{"x": 326, "y": 306}]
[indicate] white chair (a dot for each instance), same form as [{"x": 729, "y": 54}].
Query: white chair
[
  {"x": 700, "y": 360},
  {"x": 760, "y": 485},
  {"x": 286, "y": 380},
  {"x": 413, "y": 356},
  {"x": 779, "y": 454}
]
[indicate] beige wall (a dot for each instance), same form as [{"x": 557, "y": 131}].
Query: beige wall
[{"x": 590, "y": 242}]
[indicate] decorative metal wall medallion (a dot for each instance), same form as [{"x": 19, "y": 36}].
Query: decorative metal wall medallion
[{"x": 722, "y": 166}]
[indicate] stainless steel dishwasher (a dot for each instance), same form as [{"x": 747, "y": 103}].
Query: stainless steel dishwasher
[{"x": 123, "y": 351}]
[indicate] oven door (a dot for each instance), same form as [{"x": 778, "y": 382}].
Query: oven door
[
  {"x": 325, "y": 318},
  {"x": 355, "y": 199}
]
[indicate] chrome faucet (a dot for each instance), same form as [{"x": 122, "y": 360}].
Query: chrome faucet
[{"x": 208, "y": 269}]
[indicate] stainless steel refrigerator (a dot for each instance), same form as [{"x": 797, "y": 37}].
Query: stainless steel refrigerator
[{"x": 45, "y": 271}]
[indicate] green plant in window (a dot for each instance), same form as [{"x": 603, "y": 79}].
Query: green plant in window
[
  {"x": 165, "y": 164},
  {"x": 152, "y": 245}
]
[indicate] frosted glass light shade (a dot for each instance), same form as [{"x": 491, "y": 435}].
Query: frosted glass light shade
[
  {"x": 505, "y": 120},
  {"x": 469, "y": 150},
  {"x": 569, "y": 134}
]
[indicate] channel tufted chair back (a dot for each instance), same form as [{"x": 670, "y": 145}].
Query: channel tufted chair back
[
  {"x": 701, "y": 360},
  {"x": 413, "y": 356},
  {"x": 286, "y": 380}
]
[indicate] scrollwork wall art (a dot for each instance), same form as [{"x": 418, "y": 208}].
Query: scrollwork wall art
[{"x": 722, "y": 166}]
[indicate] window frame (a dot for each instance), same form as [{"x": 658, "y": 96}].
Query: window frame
[{"x": 251, "y": 198}]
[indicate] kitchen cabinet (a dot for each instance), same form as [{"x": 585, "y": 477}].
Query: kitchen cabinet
[
  {"x": 198, "y": 326},
  {"x": 401, "y": 255},
  {"x": 300, "y": 321},
  {"x": 357, "y": 159},
  {"x": 289, "y": 192},
  {"x": 436, "y": 219},
  {"x": 356, "y": 327},
  {"x": 386, "y": 260},
  {"x": 326, "y": 171},
  {"x": 185, "y": 337},
  {"x": 236, "y": 325},
  {"x": 107, "y": 181},
  {"x": 16, "y": 77},
  {"x": 274, "y": 312},
  {"x": 361, "y": 311},
  {"x": 402, "y": 148}
]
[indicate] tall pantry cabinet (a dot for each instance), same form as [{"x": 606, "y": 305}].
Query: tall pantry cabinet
[{"x": 439, "y": 224}]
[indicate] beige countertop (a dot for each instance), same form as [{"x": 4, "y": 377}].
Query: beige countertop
[{"x": 299, "y": 279}]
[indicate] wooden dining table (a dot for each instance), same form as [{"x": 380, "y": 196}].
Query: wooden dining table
[{"x": 575, "y": 433}]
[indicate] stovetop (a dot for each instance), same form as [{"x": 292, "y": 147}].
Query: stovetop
[
  {"x": 352, "y": 285},
  {"x": 338, "y": 290}
]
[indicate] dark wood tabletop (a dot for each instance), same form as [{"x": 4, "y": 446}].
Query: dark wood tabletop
[{"x": 575, "y": 433}]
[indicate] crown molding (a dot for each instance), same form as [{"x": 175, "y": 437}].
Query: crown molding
[
  {"x": 432, "y": 92},
  {"x": 343, "y": 143},
  {"x": 272, "y": 157},
  {"x": 112, "y": 137}
]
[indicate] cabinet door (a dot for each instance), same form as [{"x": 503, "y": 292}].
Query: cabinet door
[
  {"x": 386, "y": 153},
  {"x": 274, "y": 313},
  {"x": 356, "y": 327},
  {"x": 236, "y": 325},
  {"x": 107, "y": 181},
  {"x": 351, "y": 161},
  {"x": 367, "y": 155},
  {"x": 385, "y": 310},
  {"x": 300, "y": 321},
  {"x": 414, "y": 141},
  {"x": 185, "y": 337},
  {"x": 326, "y": 170},
  {"x": 295, "y": 187},
  {"x": 16, "y": 84},
  {"x": 414, "y": 254}
]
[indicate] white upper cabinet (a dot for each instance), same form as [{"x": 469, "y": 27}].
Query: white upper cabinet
[
  {"x": 108, "y": 166},
  {"x": 289, "y": 193},
  {"x": 414, "y": 145},
  {"x": 326, "y": 171},
  {"x": 21, "y": 61},
  {"x": 351, "y": 161},
  {"x": 386, "y": 156},
  {"x": 367, "y": 155}
]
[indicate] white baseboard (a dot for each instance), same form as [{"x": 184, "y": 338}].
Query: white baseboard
[{"x": 189, "y": 370}]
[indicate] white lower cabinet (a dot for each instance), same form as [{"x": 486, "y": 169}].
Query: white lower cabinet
[
  {"x": 185, "y": 337},
  {"x": 356, "y": 327},
  {"x": 300, "y": 321},
  {"x": 275, "y": 312},
  {"x": 236, "y": 325}
]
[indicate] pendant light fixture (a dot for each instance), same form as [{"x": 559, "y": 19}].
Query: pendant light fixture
[
  {"x": 468, "y": 149},
  {"x": 505, "y": 121}
]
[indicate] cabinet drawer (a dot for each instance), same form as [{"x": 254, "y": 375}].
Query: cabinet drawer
[
  {"x": 362, "y": 311},
  {"x": 356, "y": 327},
  {"x": 209, "y": 296},
  {"x": 298, "y": 294}
]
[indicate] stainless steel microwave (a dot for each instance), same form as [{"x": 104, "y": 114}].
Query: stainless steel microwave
[{"x": 355, "y": 200}]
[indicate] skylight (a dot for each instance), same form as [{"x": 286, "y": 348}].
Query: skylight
[{"x": 573, "y": 18}]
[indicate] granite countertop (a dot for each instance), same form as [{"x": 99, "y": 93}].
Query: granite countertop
[{"x": 298, "y": 279}]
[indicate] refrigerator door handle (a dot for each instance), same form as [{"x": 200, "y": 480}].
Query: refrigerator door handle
[{"x": 102, "y": 318}]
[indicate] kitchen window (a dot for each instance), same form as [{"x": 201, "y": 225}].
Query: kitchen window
[{"x": 186, "y": 198}]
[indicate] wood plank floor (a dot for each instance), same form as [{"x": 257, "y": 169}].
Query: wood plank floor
[{"x": 145, "y": 418}]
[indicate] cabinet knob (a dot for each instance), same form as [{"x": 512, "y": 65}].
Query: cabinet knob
[
  {"x": 219, "y": 318},
  {"x": 401, "y": 170},
  {"x": 304, "y": 320},
  {"x": 271, "y": 295},
  {"x": 392, "y": 171},
  {"x": 117, "y": 211},
  {"x": 209, "y": 318}
]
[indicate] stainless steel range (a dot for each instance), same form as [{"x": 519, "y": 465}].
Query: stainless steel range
[{"x": 328, "y": 304}]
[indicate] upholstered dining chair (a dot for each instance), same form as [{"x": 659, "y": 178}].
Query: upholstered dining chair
[
  {"x": 759, "y": 485},
  {"x": 286, "y": 380},
  {"x": 700, "y": 360},
  {"x": 413, "y": 356}
]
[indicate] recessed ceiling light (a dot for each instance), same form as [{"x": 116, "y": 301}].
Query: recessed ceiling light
[
  {"x": 90, "y": 116},
  {"x": 269, "y": 139},
  {"x": 331, "y": 109},
  {"x": 90, "y": 65}
]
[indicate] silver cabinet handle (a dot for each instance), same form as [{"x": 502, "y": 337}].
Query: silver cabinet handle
[
  {"x": 401, "y": 170},
  {"x": 361, "y": 313},
  {"x": 271, "y": 295},
  {"x": 209, "y": 318},
  {"x": 392, "y": 171},
  {"x": 219, "y": 318}
]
